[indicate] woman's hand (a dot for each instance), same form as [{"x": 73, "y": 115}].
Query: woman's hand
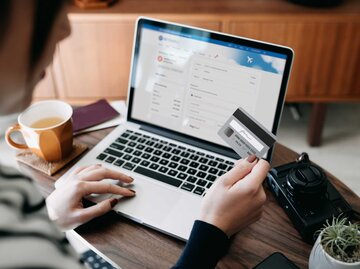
[
  {"x": 236, "y": 199},
  {"x": 65, "y": 203}
]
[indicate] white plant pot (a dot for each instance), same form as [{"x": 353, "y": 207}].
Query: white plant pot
[{"x": 319, "y": 259}]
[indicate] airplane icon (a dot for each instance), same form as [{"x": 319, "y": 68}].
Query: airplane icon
[{"x": 250, "y": 60}]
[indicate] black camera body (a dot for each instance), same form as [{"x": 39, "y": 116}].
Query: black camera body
[{"x": 306, "y": 195}]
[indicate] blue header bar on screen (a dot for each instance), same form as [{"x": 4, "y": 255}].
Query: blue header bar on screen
[{"x": 215, "y": 41}]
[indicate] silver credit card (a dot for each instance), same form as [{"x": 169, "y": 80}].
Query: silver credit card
[{"x": 245, "y": 135}]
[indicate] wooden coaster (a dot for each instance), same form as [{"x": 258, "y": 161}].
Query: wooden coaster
[
  {"x": 49, "y": 168},
  {"x": 93, "y": 4}
]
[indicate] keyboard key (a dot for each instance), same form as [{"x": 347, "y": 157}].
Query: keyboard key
[
  {"x": 203, "y": 167},
  {"x": 121, "y": 140},
  {"x": 213, "y": 171},
  {"x": 110, "y": 159},
  {"x": 141, "y": 140},
  {"x": 229, "y": 168},
  {"x": 140, "y": 147},
  {"x": 172, "y": 173},
  {"x": 201, "y": 182},
  {"x": 191, "y": 179},
  {"x": 200, "y": 153},
  {"x": 154, "y": 159},
  {"x": 146, "y": 136},
  {"x": 229, "y": 163},
  {"x": 209, "y": 156},
  {"x": 211, "y": 178},
  {"x": 145, "y": 163},
  {"x": 167, "y": 148},
  {"x": 101, "y": 156},
  {"x": 157, "y": 152},
  {"x": 163, "y": 169},
  {"x": 172, "y": 145},
  {"x": 127, "y": 157},
  {"x": 117, "y": 146},
  {"x": 129, "y": 150},
  {"x": 194, "y": 164},
  {"x": 113, "y": 152},
  {"x": 219, "y": 160},
  {"x": 158, "y": 146},
  {"x": 137, "y": 153},
  {"x": 203, "y": 160},
  {"x": 182, "y": 168},
  {"x": 129, "y": 166},
  {"x": 221, "y": 173},
  {"x": 149, "y": 149},
  {"x": 181, "y": 147},
  {"x": 125, "y": 135},
  {"x": 163, "y": 142},
  {"x": 146, "y": 156},
  {"x": 150, "y": 143},
  {"x": 164, "y": 162},
  {"x": 133, "y": 137},
  {"x": 175, "y": 151},
  {"x": 173, "y": 165},
  {"x": 201, "y": 174},
  {"x": 191, "y": 150},
  {"x": 155, "y": 139},
  {"x": 194, "y": 157},
  {"x": 184, "y": 161},
  {"x": 158, "y": 176},
  {"x": 132, "y": 144},
  {"x": 182, "y": 176},
  {"x": 199, "y": 190},
  {"x": 138, "y": 134},
  {"x": 191, "y": 171},
  {"x": 222, "y": 166},
  {"x": 129, "y": 131},
  {"x": 175, "y": 158},
  {"x": 118, "y": 162},
  {"x": 136, "y": 160},
  {"x": 187, "y": 186},
  {"x": 154, "y": 166},
  {"x": 166, "y": 155},
  {"x": 209, "y": 185},
  {"x": 213, "y": 163},
  {"x": 185, "y": 154}
]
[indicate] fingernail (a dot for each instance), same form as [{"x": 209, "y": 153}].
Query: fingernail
[
  {"x": 251, "y": 158},
  {"x": 113, "y": 202},
  {"x": 132, "y": 190}
]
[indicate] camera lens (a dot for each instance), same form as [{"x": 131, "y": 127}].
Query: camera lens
[{"x": 306, "y": 184}]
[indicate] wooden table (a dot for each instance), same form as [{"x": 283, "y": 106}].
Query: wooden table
[{"x": 132, "y": 245}]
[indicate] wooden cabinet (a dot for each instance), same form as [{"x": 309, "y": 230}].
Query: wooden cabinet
[{"x": 94, "y": 62}]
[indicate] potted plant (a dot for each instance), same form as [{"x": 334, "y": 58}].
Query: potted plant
[{"x": 337, "y": 246}]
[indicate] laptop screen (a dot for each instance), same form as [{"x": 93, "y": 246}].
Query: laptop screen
[{"x": 190, "y": 81}]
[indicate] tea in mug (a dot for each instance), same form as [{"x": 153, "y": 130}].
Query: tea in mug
[{"x": 47, "y": 122}]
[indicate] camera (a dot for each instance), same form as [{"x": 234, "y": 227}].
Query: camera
[{"x": 304, "y": 192}]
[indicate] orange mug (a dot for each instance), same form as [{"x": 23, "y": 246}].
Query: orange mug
[{"x": 47, "y": 130}]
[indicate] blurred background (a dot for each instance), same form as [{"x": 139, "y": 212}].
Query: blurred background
[{"x": 322, "y": 115}]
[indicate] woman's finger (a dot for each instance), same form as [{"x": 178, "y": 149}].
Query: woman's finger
[
  {"x": 86, "y": 188},
  {"x": 239, "y": 171},
  {"x": 103, "y": 173},
  {"x": 89, "y": 168},
  {"x": 86, "y": 214}
]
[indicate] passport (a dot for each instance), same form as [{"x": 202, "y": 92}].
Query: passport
[{"x": 92, "y": 114}]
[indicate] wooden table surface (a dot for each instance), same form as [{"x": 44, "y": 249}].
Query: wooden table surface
[{"x": 132, "y": 245}]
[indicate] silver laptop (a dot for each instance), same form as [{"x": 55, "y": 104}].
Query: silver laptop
[{"x": 185, "y": 82}]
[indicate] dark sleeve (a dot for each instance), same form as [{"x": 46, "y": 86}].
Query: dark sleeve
[{"x": 206, "y": 245}]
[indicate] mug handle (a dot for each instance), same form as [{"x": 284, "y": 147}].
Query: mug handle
[{"x": 9, "y": 131}]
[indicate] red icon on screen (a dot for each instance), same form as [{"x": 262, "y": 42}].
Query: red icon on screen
[{"x": 160, "y": 58}]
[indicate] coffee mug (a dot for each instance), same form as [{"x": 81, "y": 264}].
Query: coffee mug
[{"x": 47, "y": 130}]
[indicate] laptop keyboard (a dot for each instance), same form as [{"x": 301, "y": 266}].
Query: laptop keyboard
[{"x": 176, "y": 165}]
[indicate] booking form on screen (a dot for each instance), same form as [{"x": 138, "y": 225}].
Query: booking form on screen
[{"x": 192, "y": 84}]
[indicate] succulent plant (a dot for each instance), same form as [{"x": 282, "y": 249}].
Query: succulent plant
[{"x": 341, "y": 239}]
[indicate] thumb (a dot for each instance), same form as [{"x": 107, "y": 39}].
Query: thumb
[{"x": 97, "y": 210}]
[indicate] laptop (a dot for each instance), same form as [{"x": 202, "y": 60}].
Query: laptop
[{"x": 185, "y": 82}]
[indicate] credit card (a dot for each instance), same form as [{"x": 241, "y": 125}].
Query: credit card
[{"x": 245, "y": 135}]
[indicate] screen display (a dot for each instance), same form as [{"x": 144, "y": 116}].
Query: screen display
[{"x": 191, "y": 83}]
